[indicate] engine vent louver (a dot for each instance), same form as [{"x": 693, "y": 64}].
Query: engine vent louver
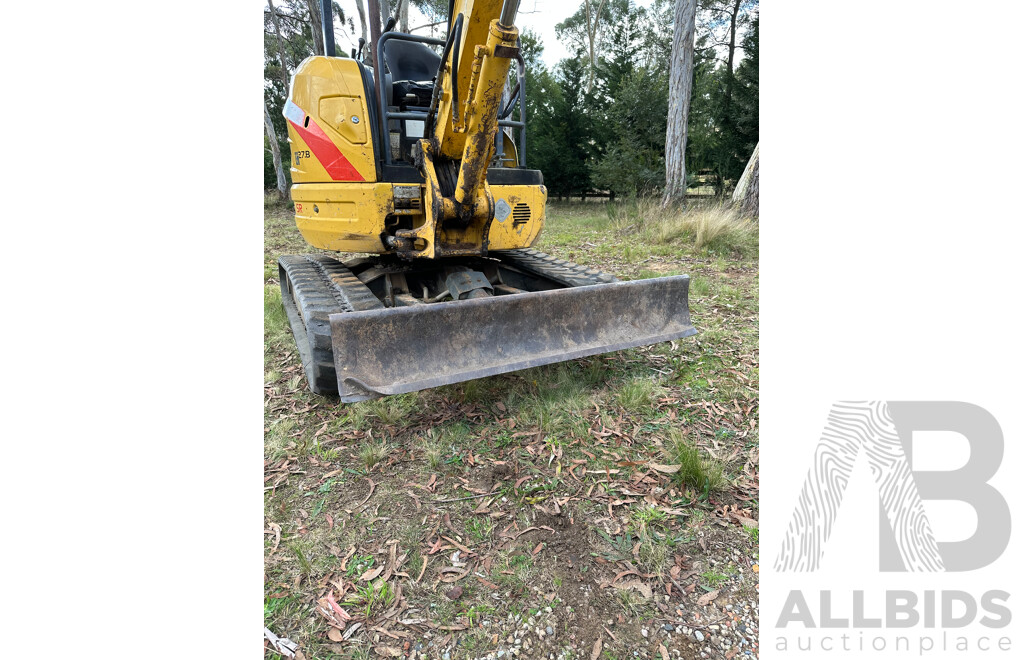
[{"x": 520, "y": 214}]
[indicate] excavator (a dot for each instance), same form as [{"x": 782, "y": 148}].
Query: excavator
[{"x": 412, "y": 169}]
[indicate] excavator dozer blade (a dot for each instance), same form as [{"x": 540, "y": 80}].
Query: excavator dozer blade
[{"x": 404, "y": 349}]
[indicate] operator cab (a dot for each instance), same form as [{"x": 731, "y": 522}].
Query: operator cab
[
  {"x": 404, "y": 97},
  {"x": 409, "y": 86}
]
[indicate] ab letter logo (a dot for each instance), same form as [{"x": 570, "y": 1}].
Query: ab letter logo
[{"x": 883, "y": 431}]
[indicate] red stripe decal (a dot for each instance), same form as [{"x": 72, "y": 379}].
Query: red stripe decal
[{"x": 327, "y": 152}]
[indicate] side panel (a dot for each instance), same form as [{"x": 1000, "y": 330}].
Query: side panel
[
  {"x": 329, "y": 126},
  {"x": 343, "y": 217},
  {"x": 518, "y": 216}
]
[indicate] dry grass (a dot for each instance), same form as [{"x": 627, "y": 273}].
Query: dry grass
[{"x": 709, "y": 227}]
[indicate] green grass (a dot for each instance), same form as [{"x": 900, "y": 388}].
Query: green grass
[
  {"x": 638, "y": 394},
  {"x": 698, "y": 472},
  {"x": 358, "y": 565},
  {"x": 480, "y": 529},
  {"x": 645, "y": 516},
  {"x": 372, "y": 599},
  {"x": 713, "y": 579}
]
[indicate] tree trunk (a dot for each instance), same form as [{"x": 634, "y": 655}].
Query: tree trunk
[
  {"x": 275, "y": 149},
  {"x": 729, "y": 78},
  {"x": 280, "y": 44},
  {"x": 316, "y": 26},
  {"x": 746, "y": 193},
  {"x": 732, "y": 36},
  {"x": 679, "y": 88},
  {"x": 592, "y": 23},
  {"x": 403, "y": 12},
  {"x": 362, "y": 19},
  {"x": 375, "y": 26}
]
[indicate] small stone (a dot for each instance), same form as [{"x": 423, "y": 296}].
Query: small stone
[
  {"x": 511, "y": 639},
  {"x": 540, "y": 633},
  {"x": 454, "y": 593},
  {"x": 668, "y": 627},
  {"x": 550, "y": 630},
  {"x": 446, "y": 656},
  {"x": 643, "y": 631},
  {"x": 548, "y": 610},
  {"x": 699, "y": 635}
]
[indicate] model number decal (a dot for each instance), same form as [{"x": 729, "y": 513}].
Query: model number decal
[{"x": 299, "y": 155}]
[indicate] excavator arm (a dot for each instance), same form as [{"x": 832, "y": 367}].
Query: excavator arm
[{"x": 460, "y": 146}]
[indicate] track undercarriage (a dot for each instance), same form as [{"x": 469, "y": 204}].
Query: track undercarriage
[{"x": 374, "y": 326}]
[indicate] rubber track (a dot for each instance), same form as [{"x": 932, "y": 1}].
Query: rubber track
[
  {"x": 553, "y": 268},
  {"x": 322, "y": 286}
]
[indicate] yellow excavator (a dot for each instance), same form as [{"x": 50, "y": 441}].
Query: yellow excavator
[{"x": 412, "y": 166}]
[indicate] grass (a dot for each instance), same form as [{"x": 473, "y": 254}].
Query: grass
[
  {"x": 480, "y": 461},
  {"x": 696, "y": 471},
  {"x": 433, "y": 453},
  {"x": 638, "y": 394},
  {"x": 372, "y": 453},
  {"x": 372, "y": 599},
  {"x": 711, "y": 228},
  {"x": 713, "y": 579}
]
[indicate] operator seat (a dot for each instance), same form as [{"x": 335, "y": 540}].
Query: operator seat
[{"x": 413, "y": 67}]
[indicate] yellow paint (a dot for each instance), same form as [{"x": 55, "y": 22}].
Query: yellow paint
[
  {"x": 343, "y": 217},
  {"x": 476, "y": 24},
  {"x": 338, "y": 111},
  {"x": 504, "y": 234},
  {"x": 330, "y": 89}
]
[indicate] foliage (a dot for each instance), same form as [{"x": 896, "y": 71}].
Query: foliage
[{"x": 635, "y": 161}]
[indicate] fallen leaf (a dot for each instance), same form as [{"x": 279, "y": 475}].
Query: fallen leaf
[
  {"x": 388, "y": 651},
  {"x": 455, "y": 593},
  {"x": 277, "y": 536},
  {"x": 637, "y": 585},
  {"x": 665, "y": 469},
  {"x": 707, "y": 598},
  {"x": 663, "y": 651},
  {"x": 596, "y": 653},
  {"x": 371, "y": 574},
  {"x": 489, "y": 585},
  {"x": 335, "y": 635},
  {"x": 368, "y": 495}
]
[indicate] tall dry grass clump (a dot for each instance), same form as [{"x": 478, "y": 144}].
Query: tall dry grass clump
[{"x": 708, "y": 226}]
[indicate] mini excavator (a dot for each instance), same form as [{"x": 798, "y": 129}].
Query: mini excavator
[{"x": 412, "y": 167}]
